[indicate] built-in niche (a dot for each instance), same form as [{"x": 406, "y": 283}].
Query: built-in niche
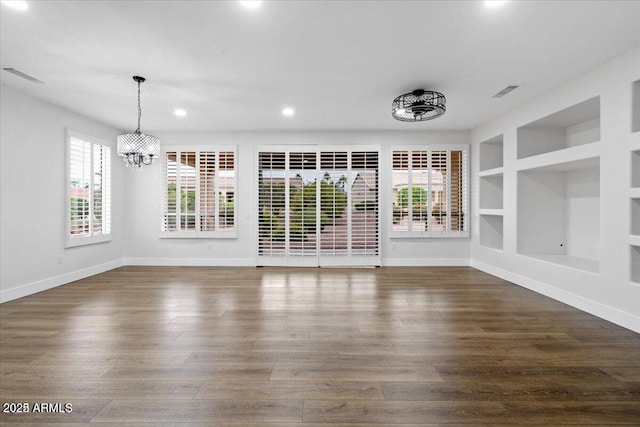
[
  {"x": 559, "y": 213},
  {"x": 491, "y": 191},
  {"x": 492, "y": 153},
  {"x": 635, "y": 169},
  {"x": 571, "y": 127},
  {"x": 491, "y": 231}
]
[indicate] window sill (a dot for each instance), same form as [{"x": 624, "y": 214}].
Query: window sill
[{"x": 73, "y": 242}]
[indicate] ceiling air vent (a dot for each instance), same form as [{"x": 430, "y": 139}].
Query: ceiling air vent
[
  {"x": 23, "y": 75},
  {"x": 505, "y": 91}
]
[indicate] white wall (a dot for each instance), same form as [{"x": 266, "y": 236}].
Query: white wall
[
  {"x": 608, "y": 293},
  {"x": 145, "y": 247},
  {"x": 33, "y": 200}
]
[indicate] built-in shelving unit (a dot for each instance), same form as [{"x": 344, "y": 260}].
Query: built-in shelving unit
[
  {"x": 572, "y": 127},
  {"x": 491, "y": 192},
  {"x": 634, "y": 193},
  {"x": 635, "y": 108},
  {"x": 559, "y": 187}
]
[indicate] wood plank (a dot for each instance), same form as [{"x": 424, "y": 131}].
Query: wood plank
[
  {"x": 357, "y": 411},
  {"x": 322, "y": 371},
  {"x": 101, "y": 389},
  {"x": 345, "y": 347},
  {"x": 283, "y": 390},
  {"x": 201, "y": 411}
]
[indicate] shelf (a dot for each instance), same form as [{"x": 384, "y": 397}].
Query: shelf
[
  {"x": 574, "y": 126},
  {"x": 491, "y": 231},
  {"x": 491, "y": 212},
  {"x": 634, "y": 240},
  {"x": 574, "y": 158},
  {"x": 635, "y": 169},
  {"x": 584, "y": 264},
  {"x": 558, "y": 212},
  {"x": 634, "y": 193},
  {"x": 492, "y": 153},
  {"x": 491, "y": 172},
  {"x": 635, "y": 108}
]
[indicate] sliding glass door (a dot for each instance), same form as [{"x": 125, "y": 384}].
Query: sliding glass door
[{"x": 318, "y": 207}]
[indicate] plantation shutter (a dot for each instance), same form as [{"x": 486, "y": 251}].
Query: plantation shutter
[
  {"x": 318, "y": 207},
  {"x": 88, "y": 189},
  {"x": 273, "y": 197},
  {"x": 199, "y": 194},
  {"x": 207, "y": 199},
  {"x": 430, "y": 192},
  {"x": 364, "y": 203},
  {"x": 335, "y": 237}
]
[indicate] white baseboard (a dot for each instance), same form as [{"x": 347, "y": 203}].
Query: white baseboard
[
  {"x": 52, "y": 282},
  {"x": 425, "y": 262},
  {"x": 619, "y": 317},
  {"x": 192, "y": 262}
]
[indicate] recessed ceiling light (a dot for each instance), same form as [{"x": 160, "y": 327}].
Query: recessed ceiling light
[
  {"x": 251, "y": 4},
  {"x": 495, "y": 3},
  {"x": 17, "y": 5},
  {"x": 288, "y": 112},
  {"x": 179, "y": 112}
]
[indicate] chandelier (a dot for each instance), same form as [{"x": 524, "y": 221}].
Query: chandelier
[
  {"x": 418, "y": 106},
  {"x": 138, "y": 148}
]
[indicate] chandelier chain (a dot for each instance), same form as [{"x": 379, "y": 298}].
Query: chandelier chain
[{"x": 139, "y": 109}]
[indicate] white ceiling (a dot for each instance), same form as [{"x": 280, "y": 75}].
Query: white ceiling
[{"x": 338, "y": 63}]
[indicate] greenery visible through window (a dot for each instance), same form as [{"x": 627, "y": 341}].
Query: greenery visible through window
[
  {"x": 88, "y": 190},
  {"x": 436, "y": 178},
  {"x": 199, "y": 199}
]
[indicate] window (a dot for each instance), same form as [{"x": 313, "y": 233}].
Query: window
[
  {"x": 88, "y": 211},
  {"x": 430, "y": 191},
  {"x": 199, "y": 193}
]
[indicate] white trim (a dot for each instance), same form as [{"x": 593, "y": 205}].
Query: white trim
[
  {"x": 595, "y": 308},
  {"x": 426, "y": 262},
  {"x": 53, "y": 282},
  {"x": 191, "y": 262}
]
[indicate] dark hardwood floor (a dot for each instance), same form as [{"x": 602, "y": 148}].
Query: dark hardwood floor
[{"x": 218, "y": 346}]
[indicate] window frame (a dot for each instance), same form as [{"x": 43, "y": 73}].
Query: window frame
[
  {"x": 198, "y": 234},
  {"x": 91, "y": 238},
  {"x": 422, "y": 234}
]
